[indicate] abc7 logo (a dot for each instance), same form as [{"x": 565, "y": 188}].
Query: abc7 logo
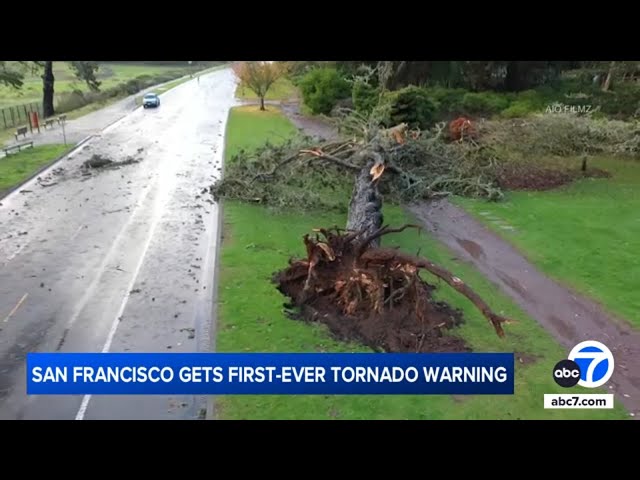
[{"x": 590, "y": 364}]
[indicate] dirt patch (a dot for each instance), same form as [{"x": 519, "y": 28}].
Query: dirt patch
[
  {"x": 530, "y": 177},
  {"x": 374, "y": 297}
]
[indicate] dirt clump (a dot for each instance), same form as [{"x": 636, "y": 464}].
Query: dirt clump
[
  {"x": 97, "y": 161},
  {"x": 374, "y": 296}
]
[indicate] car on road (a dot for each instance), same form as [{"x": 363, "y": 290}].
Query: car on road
[{"x": 151, "y": 100}]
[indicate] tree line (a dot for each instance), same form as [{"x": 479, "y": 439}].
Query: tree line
[{"x": 13, "y": 76}]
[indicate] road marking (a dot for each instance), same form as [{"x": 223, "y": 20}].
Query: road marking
[
  {"x": 159, "y": 205},
  {"x": 15, "y": 309},
  {"x": 88, "y": 293},
  {"x": 14, "y": 254},
  {"x": 116, "y": 321},
  {"x": 77, "y": 232}
]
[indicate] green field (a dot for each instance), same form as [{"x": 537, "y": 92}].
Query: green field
[
  {"x": 258, "y": 242},
  {"x": 110, "y": 74},
  {"x": 586, "y": 235},
  {"x": 17, "y": 167},
  {"x": 282, "y": 89}
]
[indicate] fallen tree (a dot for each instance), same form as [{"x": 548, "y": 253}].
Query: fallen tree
[
  {"x": 302, "y": 173},
  {"x": 348, "y": 281}
]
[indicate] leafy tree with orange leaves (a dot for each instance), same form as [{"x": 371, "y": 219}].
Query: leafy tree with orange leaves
[{"x": 259, "y": 76}]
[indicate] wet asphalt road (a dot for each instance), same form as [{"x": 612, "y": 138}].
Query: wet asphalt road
[{"x": 119, "y": 259}]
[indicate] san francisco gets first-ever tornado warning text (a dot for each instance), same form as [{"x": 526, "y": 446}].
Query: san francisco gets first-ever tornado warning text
[{"x": 268, "y": 374}]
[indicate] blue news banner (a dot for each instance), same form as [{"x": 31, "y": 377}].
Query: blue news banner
[{"x": 270, "y": 373}]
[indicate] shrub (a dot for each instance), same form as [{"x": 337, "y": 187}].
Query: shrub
[
  {"x": 519, "y": 108},
  {"x": 365, "y": 97},
  {"x": 624, "y": 101},
  {"x": 410, "y": 105},
  {"x": 67, "y": 101},
  {"x": 447, "y": 100},
  {"x": 564, "y": 134},
  {"x": 484, "y": 102},
  {"x": 321, "y": 88}
]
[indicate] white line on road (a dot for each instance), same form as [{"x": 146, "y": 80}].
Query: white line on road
[
  {"x": 15, "y": 309},
  {"x": 15, "y": 254},
  {"x": 116, "y": 321},
  {"x": 89, "y": 292},
  {"x": 77, "y": 232}
]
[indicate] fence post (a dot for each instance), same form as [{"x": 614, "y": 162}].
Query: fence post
[
  {"x": 4, "y": 119},
  {"x": 26, "y": 114},
  {"x": 13, "y": 121}
]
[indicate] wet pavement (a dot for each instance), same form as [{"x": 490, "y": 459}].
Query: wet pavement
[
  {"x": 116, "y": 259},
  {"x": 568, "y": 316}
]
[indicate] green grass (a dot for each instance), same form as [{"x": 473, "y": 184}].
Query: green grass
[
  {"x": 16, "y": 168},
  {"x": 282, "y": 89},
  {"x": 248, "y": 128},
  {"x": 110, "y": 74},
  {"x": 258, "y": 242},
  {"x": 586, "y": 235}
]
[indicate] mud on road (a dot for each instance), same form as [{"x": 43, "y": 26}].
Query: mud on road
[{"x": 568, "y": 316}]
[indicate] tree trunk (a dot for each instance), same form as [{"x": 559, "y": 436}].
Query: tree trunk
[
  {"x": 513, "y": 81},
  {"x": 607, "y": 81},
  {"x": 47, "y": 90},
  {"x": 365, "y": 208},
  {"x": 262, "y": 103}
]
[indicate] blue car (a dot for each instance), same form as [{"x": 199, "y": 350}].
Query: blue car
[{"x": 151, "y": 100}]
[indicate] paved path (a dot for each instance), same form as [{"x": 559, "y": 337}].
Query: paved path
[{"x": 568, "y": 316}]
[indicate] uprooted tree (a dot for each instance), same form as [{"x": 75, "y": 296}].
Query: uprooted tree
[{"x": 361, "y": 290}]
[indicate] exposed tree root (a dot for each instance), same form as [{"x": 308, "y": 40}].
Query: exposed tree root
[{"x": 375, "y": 295}]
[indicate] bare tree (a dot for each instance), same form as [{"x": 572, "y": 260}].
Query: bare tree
[{"x": 259, "y": 76}]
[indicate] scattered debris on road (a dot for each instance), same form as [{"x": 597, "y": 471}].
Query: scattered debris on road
[
  {"x": 135, "y": 290},
  {"x": 98, "y": 161},
  {"x": 191, "y": 332}
]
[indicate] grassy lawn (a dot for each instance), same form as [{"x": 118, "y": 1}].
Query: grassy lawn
[
  {"x": 282, "y": 89},
  {"x": 110, "y": 74},
  {"x": 16, "y": 168},
  {"x": 258, "y": 242},
  {"x": 586, "y": 235}
]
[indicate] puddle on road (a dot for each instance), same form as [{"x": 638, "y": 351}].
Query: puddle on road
[
  {"x": 515, "y": 285},
  {"x": 471, "y": 247}
]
